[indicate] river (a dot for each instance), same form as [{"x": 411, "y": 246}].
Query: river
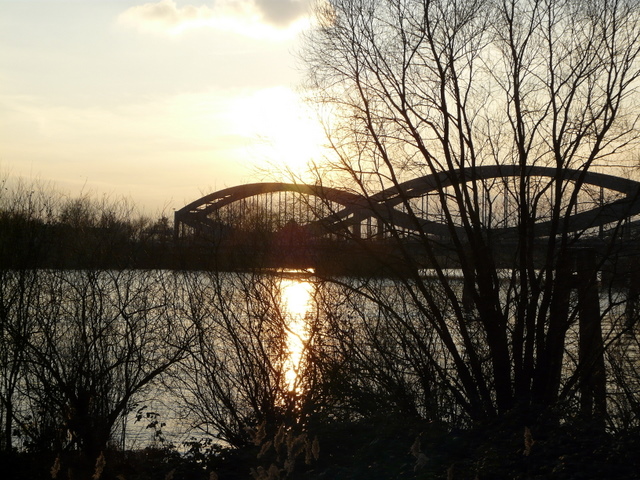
[
  {"x": 252, "y": 341},
  {"x": 157, "y": 422}
]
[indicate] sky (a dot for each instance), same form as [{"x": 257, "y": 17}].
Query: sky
[{"x": 160, "y": 102}]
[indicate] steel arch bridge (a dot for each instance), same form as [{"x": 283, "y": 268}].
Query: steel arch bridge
[{"x": 324, "y": 211}]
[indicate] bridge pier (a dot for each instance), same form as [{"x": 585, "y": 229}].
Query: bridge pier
[
  {"x": 633, "y": 293},
  {"x": 591, "y": 366}
]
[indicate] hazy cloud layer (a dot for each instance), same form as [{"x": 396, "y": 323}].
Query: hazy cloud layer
[{"x": 237, "y": 15}]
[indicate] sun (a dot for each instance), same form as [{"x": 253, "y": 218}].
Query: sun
[{"x": 284, "y": 133}]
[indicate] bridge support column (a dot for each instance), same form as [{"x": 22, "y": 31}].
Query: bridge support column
[
  {"x": 633, "y": 293},
  {"x": 356, "y": 230},
  {"x": 591, "y": 368}
]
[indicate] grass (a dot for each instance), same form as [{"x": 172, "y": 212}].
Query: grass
[{"x": 383, "y": 448}]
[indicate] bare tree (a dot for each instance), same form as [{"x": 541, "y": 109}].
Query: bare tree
[
  {"x": 79, "y": 347},
  {"x": 101, "y": 338},
  {"x": 236, "y": 375},
  {"x": 541, "y": 91},
  {"x": 26, "y": 210}
]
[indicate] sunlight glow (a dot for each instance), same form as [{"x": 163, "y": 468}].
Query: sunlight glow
[
  {"x": 287, "y": 131},
  {"x": 296, "y": 303}
]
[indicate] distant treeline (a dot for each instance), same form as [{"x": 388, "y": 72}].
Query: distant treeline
[{"x": 40, "y": 227}]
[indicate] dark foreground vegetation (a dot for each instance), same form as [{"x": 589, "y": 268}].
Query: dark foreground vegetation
[{"x": 378, "y": 448}]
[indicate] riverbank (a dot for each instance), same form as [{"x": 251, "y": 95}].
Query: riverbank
[{"x": 384, "y": 448}]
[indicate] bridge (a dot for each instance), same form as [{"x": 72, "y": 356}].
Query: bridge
[{"x": 301, "y": 223}]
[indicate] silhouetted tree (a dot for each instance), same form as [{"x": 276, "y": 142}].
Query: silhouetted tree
[
  {"x": 79, "y": 346},
  {"x": 26, "y": 210},
  {"x": 100, "y": 338},
  {"x": 444, "y": 88},
  {"x": 236, "y": 374}
]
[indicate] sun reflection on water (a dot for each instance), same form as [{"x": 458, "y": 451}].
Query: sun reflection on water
[{"x": 296, "y": 296}]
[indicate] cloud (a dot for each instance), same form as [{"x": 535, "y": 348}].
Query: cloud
[
  {"x": 254, "y": 18},
  {"x": 282, "y": 13},
  {"x": 164, "y": 15}
]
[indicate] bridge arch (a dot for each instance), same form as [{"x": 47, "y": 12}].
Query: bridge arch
[
  {"x": 384, "y": 204},
  {"x": 197, "y": 213},
  {"x": 355, "y": 209}
]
